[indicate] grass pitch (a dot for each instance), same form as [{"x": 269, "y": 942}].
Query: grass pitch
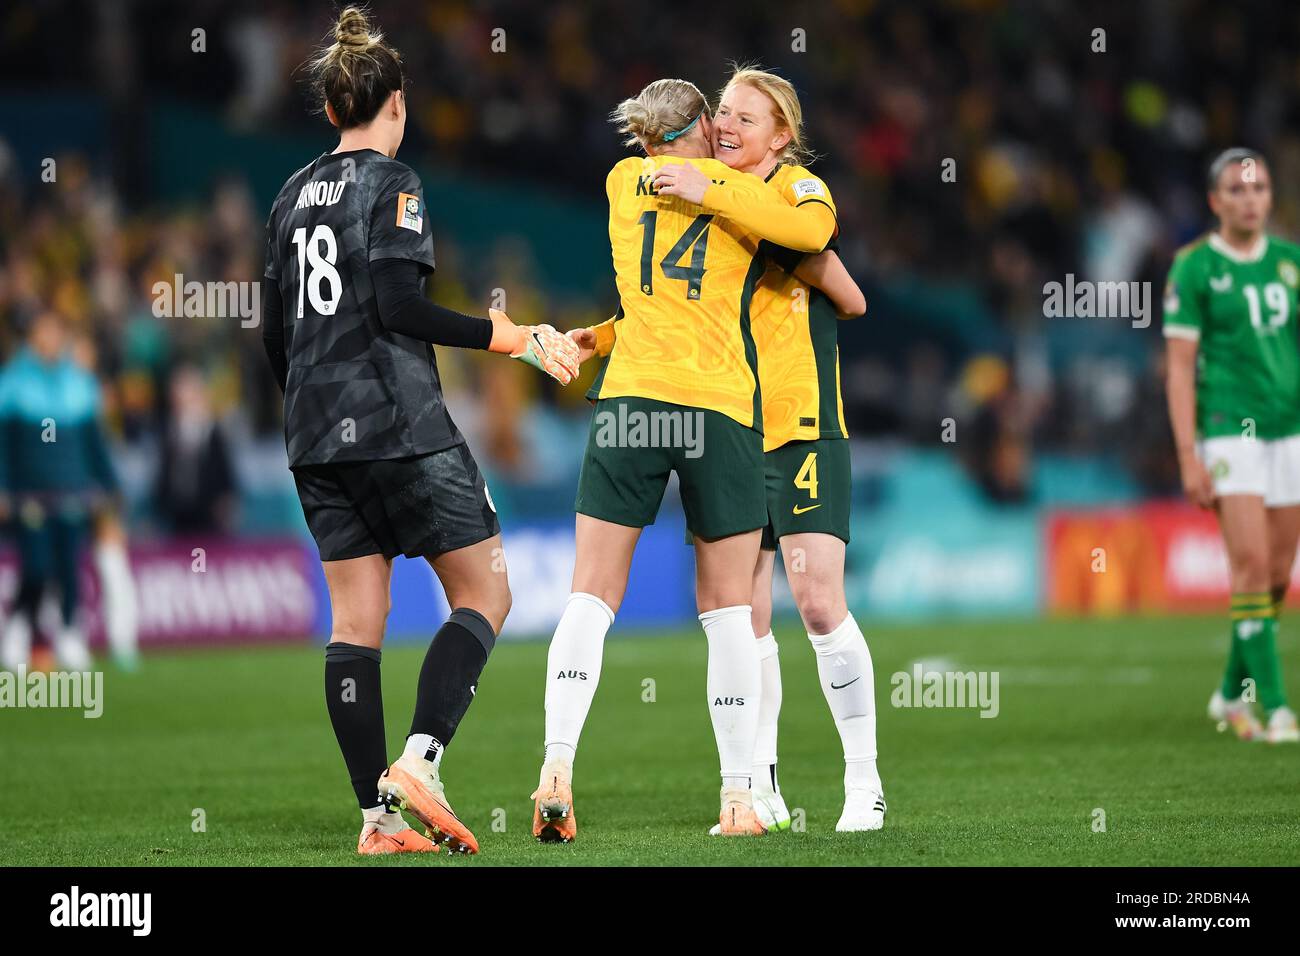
[{"x": 1096, "y": 717}]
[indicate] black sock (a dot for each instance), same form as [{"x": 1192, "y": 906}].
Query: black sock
[
  {"x": 356, "y": 706},
  {"x": 450, "y": 673}
]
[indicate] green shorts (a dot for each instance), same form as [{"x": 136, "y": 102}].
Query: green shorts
[
  {"x": 633, "y": 445},
  {"x": 808, "y": 489}
]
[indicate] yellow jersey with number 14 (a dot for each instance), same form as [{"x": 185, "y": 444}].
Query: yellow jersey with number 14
[{"x": 685, "y": 279}]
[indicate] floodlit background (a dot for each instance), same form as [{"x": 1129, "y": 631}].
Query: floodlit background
[{"x": 1068, "y": 161}]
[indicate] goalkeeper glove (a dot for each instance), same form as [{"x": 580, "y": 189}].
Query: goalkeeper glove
[{"x": 540, "y": 346}]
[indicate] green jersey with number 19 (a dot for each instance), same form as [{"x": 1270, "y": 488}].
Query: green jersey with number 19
[{"x": 1241, "y": 307}]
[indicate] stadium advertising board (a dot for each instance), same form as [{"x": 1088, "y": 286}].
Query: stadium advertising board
[
  {"x": 191, "y": 593},
  {"x": 1155, "y": 558}
]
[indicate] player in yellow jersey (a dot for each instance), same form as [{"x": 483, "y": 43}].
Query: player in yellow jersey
[
  {"x": 807, "y": 458},
  {"x": 758, "y": 130},
  {"x": 678, "y": 394}
]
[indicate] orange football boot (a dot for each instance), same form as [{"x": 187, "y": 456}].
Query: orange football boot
[
  {"x": 43, "y": 660},
  {"x": 375, "y": 842},
  {"x": 553, "y": 817},
  {"x": 412, "y": 784},
  {"x": 1239, "y": 716},
  {"x": 738, "y": 817}
]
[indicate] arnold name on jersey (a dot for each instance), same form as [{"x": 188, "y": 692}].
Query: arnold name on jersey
[{"x": 320, "y": 194}]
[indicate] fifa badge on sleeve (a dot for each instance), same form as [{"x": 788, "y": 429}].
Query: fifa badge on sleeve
[{"x": 408, "y": 212}]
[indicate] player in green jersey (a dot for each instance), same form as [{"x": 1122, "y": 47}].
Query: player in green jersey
[{"x": 1234, "y": 403}]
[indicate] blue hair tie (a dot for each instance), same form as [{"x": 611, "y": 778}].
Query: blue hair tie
[{"x": 669, "y": 137}]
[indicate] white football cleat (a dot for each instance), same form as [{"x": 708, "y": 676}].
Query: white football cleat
[
  {"x": 771, "y": 809},
  {"x": 863, "y": 810},
  {"x": 1217, "y": 710},
  {"x": 1282, "y": 728},
  {"x": 71, "y": 650}
]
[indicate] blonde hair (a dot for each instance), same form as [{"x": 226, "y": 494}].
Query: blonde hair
[
  {"x": 663, "y": 108},
  {"x": 786, "y": 108},
  {"x": 358, "y": 71}
]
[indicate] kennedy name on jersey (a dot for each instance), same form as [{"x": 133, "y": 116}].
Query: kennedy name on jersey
[
  {"x": 320, "y": 194},
  {"x": 644, "y": 187}
]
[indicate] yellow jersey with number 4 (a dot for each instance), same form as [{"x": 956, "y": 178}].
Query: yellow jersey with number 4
[
  {"x": 795, "y": 332},
  {"x": 685, "y": 279}
]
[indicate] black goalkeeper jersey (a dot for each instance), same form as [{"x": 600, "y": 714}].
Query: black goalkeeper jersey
[{"x": 355, "y": 391}]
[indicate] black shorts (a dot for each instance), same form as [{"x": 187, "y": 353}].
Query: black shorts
[{"x": 420, "y": 507}]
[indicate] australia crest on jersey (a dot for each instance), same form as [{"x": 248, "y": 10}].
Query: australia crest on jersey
[{"x": 408, "y": 212}]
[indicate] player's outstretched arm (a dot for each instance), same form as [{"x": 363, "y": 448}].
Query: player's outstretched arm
[
  {"x": 404, "y": 309},
  {"x": 826, "y": 271},
  {"x": 762, "y": 211}
]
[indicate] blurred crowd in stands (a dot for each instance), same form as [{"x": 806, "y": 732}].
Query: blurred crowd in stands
[{"x": 1075, "y": 152}]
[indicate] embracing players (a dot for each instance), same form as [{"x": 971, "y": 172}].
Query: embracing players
[
  {"x": 685, "y": 349},
  {"x": 759, "y": 130},
  {"x": 380, "y": 467}
]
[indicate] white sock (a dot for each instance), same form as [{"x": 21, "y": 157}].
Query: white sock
[
  {"x": 425, "y": 747},
  {"x": 389, "y": 821},
  {"x": 848, "y": 683},
  {"x": 769, "y": 710},
  {"x": 16, "y": 643},
  {"x": 573, "y": 671},
  {"x": 734, "y": 684},
  {"x": 121, "y": 612}
]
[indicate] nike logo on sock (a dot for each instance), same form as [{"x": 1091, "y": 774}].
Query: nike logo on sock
[{"x": 835, "y": 686}]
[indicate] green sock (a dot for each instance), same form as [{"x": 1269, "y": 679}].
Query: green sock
[
  {"x": 1279, "y": 598},
  {"x": 1234, "y": 674},
  {"x": 1254, "y": 633},
  {"x": 1237, "y": 669}
]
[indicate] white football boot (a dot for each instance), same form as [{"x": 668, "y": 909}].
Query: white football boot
[
  {"x": 1282, "y": 728},
  {"x": 770, "y": 807},
  {"x": 1217, "y": 710},
  {"x": 71, "y": 649},
  {"x": 863, "y": 810}
]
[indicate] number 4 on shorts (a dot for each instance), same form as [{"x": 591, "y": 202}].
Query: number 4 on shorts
[{"x": 806, "y": 479}]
